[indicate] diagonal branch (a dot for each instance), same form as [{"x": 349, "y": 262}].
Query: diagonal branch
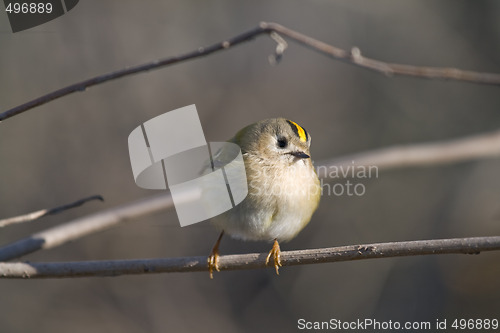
[
  {"x": 474, "y": 147},
  {"x": 84, "y": 226},
  {"x": 473, "y": 245},
  {"x": 352, "y": 57},
  {"x": 44, "y": 212}
]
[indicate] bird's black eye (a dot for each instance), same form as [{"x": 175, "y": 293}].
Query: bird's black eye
[{"x": 282, "y": 142}]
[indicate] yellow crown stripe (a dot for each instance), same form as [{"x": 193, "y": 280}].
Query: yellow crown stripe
[{"x": 302, "y": 133}]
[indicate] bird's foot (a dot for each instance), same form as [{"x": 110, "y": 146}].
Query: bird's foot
[
  {"x": 275, "y": 252},
  {"x": 213, "y": 263},
  {"x": 213, "y": 258}
]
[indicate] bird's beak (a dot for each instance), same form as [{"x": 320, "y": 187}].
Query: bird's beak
[{"x": 300, "y": 154}]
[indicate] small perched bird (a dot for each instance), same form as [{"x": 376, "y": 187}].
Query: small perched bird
[{"x": 283, "y": 188}]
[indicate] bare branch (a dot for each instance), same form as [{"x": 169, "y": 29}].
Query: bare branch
[
  {"x": 44, "y": 212},
  {"x": 473, "y": 245},
  {"x": 453, "y": 151},
  {"x": 84, "y": 226},
  {"x": 353, "y": 57}
]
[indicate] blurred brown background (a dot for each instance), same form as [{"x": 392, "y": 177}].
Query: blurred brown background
[{"x": 77, "y": 146}]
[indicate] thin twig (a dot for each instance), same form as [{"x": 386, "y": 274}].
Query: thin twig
[
  {"x": 473, "y": 245},
  {"x": 84, "y": 226},
  {"x": 458, "y": 150},
  {"x": 353, "y": 57},
  {"x": 44, "y": 212}
]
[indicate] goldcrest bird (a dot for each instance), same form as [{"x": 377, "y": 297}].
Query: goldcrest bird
[{"x": 283, "y": 188}]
